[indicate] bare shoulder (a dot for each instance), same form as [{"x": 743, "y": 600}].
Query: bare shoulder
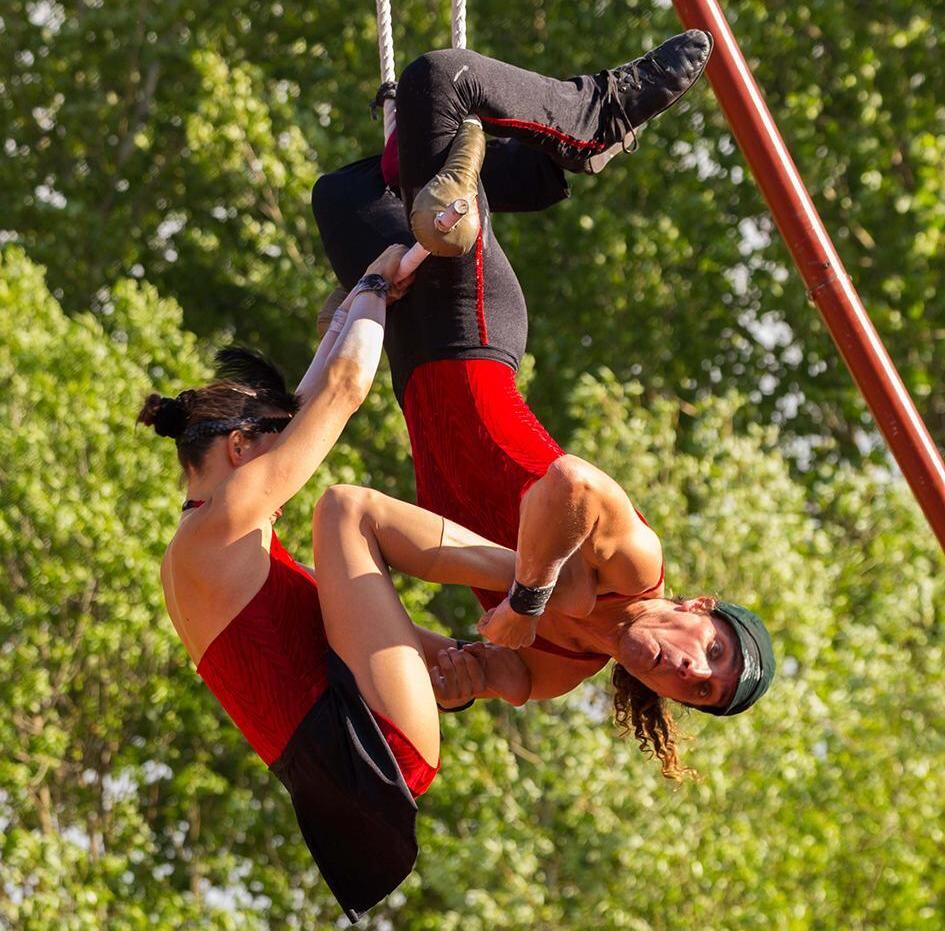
[
  {"x": 207, "y": 579},
  {"x": 579, "y": 472},
  {"x": 627, "y": 552},
  {"x": 618, "y": 521},
  {"x": 191, "y": 548}
]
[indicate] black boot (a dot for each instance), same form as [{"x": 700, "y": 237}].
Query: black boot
[{"x": 636, "y": 92}]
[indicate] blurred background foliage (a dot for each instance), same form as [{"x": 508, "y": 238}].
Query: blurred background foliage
[{"x": 154, "y": 182}]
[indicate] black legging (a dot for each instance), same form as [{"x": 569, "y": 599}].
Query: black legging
[{"x": 458, "y": 309}]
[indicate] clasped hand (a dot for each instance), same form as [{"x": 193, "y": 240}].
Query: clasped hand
[
  {"x": 506, "y": 627},
  {"x": 479, "y": 670},
  {"x": 387, "y": 264}
]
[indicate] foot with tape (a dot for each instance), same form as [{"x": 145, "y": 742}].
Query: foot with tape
[{"x": 445, "y": 213}]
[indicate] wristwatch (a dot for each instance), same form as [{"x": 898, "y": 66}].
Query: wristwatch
[{"x": 377, "y": 284}]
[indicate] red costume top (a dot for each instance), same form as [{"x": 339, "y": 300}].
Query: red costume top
[
  {"x": 267, "y": 667},
  {"x": 477, "y": 449}
]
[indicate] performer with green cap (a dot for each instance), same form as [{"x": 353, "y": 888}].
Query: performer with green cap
[{"x": 587, "y": 582}]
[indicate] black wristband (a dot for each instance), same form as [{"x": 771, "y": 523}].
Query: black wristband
[
  {"x": 526, "y": 600},
  {"x": 468, "y": 704},
  {"x": 375, "y": 283},
  {"x": 459, "y": 645}
]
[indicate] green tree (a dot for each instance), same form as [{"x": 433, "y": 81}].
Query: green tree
[
  {"x": 157, "y": 161},
  {"x": 130, "y": 801},
  {"x": 177, "y": 143}
]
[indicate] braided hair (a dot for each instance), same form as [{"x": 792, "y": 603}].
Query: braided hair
[{"x": 247, "y": 392}]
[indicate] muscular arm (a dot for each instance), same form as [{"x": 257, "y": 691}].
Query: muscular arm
[
  {"x": 575, "y": 510},
  {"x": 558, "y": 513},
  {"x": 577, "y": 506},
  {"x": 551, "y": 676}
]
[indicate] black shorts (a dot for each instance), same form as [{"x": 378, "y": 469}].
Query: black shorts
[{"x": 355, "y": 811}]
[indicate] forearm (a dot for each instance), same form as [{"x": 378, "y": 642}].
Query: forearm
[
  {"x": 558, "y": 514},
  {"x": 325, "y": 347},
  {"x": 361, "y": 341},
  {"x": 355, "y": 335}
]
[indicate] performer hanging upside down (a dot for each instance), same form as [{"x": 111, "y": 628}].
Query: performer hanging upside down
[
  {"x": 331, "y": 683},
  {"x": 481, "y": 457}
]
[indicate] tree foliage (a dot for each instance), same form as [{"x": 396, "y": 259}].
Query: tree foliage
[
  {"x": 176, "y": 143},
  {"x": 157, "y": 162},
  {"x": 130, "y": 801}
]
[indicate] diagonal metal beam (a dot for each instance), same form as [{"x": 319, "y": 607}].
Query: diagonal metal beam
[{"x": 829, "y": 286}]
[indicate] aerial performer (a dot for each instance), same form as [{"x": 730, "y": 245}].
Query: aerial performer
[
  {"x": 329, "y": 681},
  {"x": 588, "y": 582}
]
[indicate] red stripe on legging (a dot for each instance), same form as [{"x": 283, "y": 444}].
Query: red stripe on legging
[
  {"x": 480, "y": 294},
  {"x": 545, "y": 131}
]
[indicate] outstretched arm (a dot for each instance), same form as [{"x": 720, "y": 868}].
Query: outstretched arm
[
  {"x": 336, "y": 383},
  {"x": 341, "y": 329}
]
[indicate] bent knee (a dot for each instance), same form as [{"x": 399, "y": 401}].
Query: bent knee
[
  {"x": 431, "y": 70},
  {"x": 338, "y": 502},
  {"x": 334, "y": 510},
  {"x": 343, "y": 505}
]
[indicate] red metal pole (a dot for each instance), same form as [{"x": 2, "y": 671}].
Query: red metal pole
[{"x": 827, "y": 281}]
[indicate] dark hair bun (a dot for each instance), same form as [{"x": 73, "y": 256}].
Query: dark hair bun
[{"x": 168, "y": 416}]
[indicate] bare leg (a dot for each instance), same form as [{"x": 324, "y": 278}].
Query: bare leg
[
  {"x": 425, "y": 545},
  {"x": 356, "y": 534}
]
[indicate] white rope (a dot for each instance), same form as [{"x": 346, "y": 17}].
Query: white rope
[
  {"x": 385, "y": 44},
  {"x": 459, "y": 23}
]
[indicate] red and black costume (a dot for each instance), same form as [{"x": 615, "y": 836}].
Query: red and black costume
[
  {"x": 455, "y": 341},
  {"x": 352, "y": 774}
]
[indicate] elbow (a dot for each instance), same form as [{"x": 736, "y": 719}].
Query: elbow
[
  {"x": 348, "y": 383},
  {"x": 571, "y": 477}
]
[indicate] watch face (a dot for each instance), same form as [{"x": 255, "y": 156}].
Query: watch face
[{"x": 372, "y": 282}]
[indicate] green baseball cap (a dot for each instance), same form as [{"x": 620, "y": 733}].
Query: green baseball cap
[{"x": 757, "y": 655}]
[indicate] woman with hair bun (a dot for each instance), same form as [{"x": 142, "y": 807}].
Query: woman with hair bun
[{"x": 335, "y": 696}]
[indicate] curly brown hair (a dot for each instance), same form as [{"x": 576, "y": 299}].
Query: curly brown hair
[{"x": 640, "y": 709}]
